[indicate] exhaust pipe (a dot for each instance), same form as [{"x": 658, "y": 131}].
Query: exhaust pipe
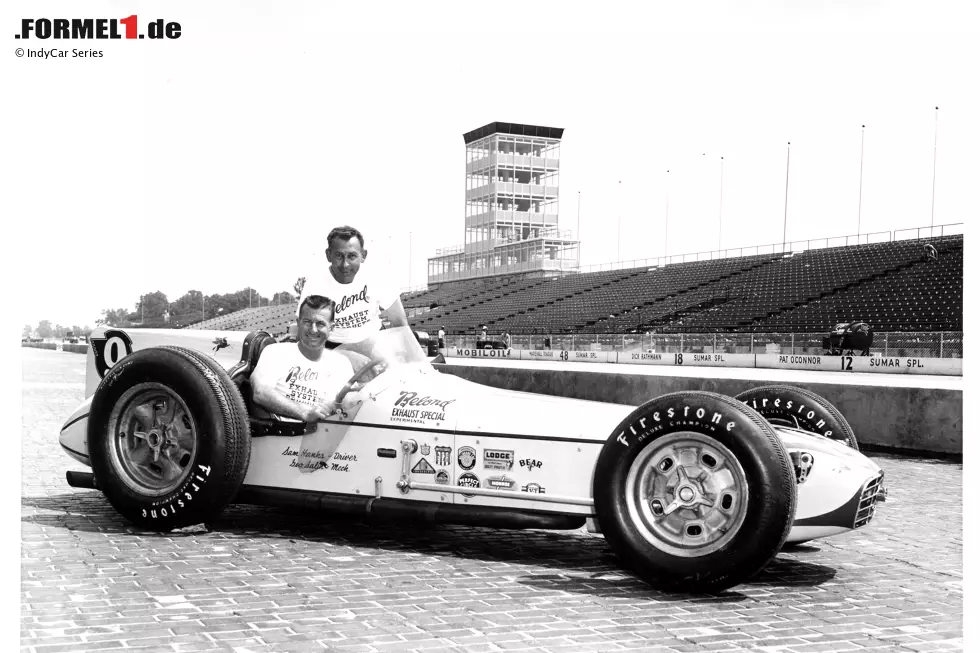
[{"x": 85, "y": 480}]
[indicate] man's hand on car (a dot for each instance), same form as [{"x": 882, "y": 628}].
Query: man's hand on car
[{"x": 322, "y": 411}]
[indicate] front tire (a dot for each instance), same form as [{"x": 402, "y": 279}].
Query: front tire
[
  {"x": 695, "y": 492},
  {"x": 168, "y": 438}
]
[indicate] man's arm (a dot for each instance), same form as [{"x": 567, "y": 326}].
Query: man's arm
[
  {"x": 396, "y": 314},
  {"x": 264, "y": 393}
]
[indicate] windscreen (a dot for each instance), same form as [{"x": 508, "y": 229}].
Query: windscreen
[{"x": 393, "y": 347}]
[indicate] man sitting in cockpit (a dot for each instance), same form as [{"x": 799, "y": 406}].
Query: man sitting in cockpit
[{"x": 301, "y": 380}]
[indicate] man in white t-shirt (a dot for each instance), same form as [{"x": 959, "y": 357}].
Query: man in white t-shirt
[
  {"x": 361, "y": 293},
  {"x": 300, "y": 380}
]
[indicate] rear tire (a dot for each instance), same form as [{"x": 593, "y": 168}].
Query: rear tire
[
  {"x": 695, "y": 492},
  {"x": 799, "y": 408},
  {"x": 168, "y": 438}
]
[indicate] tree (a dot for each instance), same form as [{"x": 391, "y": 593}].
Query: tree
[
  {"x": 283, "y": 298},
  {"x": 26, "y": 333},
  {"x": 44, "y": 329},
  {"x": 152, "y": 305},
  {"x": 112, "y": 317},
  {"x": 299, "y": 285}
]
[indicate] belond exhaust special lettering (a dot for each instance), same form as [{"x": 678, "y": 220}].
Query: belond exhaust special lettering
[{"x": 694, "y": 491}]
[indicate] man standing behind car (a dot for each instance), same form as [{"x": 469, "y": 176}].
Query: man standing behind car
[
  {"x": 301, "y": 380},
  {"x": 360, "y": 292}
]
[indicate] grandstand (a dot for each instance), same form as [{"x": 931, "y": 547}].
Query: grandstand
[{"x": 895, "y": 286}]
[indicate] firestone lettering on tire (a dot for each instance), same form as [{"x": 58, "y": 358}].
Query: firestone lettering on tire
[
  {"x": 167, "y": 506},
  {"x": 698, "y": 415}
]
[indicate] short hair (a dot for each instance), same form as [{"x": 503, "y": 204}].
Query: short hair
[
  {"x": 316, "y": 302},
  {"x": 345, "y": 233}
]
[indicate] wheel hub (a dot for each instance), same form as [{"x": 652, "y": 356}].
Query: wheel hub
[
  {"x": 154, "y": 438},
  {"x": 687, "y": 494}
]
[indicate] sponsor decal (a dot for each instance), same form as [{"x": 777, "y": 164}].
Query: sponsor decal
[
  {"x": 530, "y": 463},
  {"x": 466, "y": 457},
  {"x": 319, "y": 460},
  {"x": 533, "y": 488},
  {"x": 468, "y": 480},
  {"x": 444, "y": 456},
  {"x": 186, "y": 494},
  {"x": 409, "y": 407},
  {"x": 424, "y": 449},
  {"x": 408, "y": 398},
  {"x": 483, "y": 353},
  {"x": 423, "y": 467},
  {"x": 498, "y": 459},
  {"x": 112, "y": 347},
  {"x": 499, "y": 483},
  {"x": 442, "y": 477}
]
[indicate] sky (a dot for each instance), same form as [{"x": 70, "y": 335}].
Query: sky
[{"x": 221, "y": 159}]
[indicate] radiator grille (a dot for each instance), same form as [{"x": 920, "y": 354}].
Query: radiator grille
[{"x": 869, "y": 497}]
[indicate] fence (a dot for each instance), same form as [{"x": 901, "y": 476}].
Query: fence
[{"x": 945, "y": 344}]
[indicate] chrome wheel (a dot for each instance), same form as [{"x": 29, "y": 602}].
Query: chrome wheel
[
  {"x": 686, "y": 494},
  {"x": 153, "y": 439}
]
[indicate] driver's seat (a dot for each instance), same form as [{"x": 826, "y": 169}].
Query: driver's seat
[{"x": 260, "y": 422}]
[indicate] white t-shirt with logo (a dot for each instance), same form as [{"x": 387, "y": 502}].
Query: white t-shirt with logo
[
  {"x": 359, "y": 303},
  {"x": 302, "y": 380}
]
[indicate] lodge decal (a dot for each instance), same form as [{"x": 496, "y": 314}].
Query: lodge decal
[{"x": 498, "y": 459}]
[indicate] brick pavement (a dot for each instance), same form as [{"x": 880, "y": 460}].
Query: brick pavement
[{"x": 267, "y": 580}]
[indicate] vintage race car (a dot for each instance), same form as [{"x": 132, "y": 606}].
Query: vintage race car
[{"x": 694, "y": 491}]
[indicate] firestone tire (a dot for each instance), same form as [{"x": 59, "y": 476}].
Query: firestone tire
[
  {"x": 784, "y": 404},
  {"x": 168, "y": 438},
  {"x": 695, "y": 492}
]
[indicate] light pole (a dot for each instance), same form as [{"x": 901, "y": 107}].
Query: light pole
[
  {"x": 578, "y": 219},
  {"x": 666, "y": 216},
  {"x": 860, "y": 184},
  {"x": 786, "y": 200},
  {"x": 721, "y": 192},
  {"x": 409, "y": 260},
  {"x": 935, "y": 141},
  {"x": 619, "y": 220}
]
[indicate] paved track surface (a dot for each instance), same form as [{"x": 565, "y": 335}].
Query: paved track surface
[{"x": 277, "y": 581}]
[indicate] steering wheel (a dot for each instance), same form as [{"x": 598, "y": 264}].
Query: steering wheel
[{"x": 356, "y": 378}]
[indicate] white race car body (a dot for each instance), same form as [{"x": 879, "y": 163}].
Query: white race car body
[{"x": 418, "y": 435}]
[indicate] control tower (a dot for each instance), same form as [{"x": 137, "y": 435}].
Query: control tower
[{"x": 511, "y": 224}]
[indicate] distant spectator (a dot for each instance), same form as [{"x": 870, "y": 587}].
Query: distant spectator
[
  {"x": 484, "y": 333},
  {"x": 547, "y": 342},
  {"x": 442, "y": 337},
  {"x": 931, "y": 252}
]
